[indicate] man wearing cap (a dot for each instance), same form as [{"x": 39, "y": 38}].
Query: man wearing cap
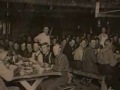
[{"x": 43, "y": 37}]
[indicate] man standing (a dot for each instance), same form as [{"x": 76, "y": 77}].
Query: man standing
[
  {"x": 43, "y": 37},
  {"x": 103, "y": 36},
  {"x": 5, "y": 73},
  {"x": 61, "y": 65},
  {"x": 89, "y": 63}
]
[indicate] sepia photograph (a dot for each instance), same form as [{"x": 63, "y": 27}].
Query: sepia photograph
[{"x": 59, "y": 44}]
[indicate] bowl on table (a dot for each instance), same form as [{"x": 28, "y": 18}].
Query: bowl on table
[
  {"x": 28, "y": 70},
  {"x": 41, "y": 70}
]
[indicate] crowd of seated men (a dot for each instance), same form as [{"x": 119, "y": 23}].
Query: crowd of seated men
[{"x": 97, "y": 54}]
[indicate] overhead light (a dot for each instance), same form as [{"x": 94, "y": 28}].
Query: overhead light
[
  {"x": 99, "y": 23},
  {"x": 51, "y": 7},
  {"x": 19, "y": 10},
  {"x": 108, "y": 22},
  {"x": 78, "y": 26}
]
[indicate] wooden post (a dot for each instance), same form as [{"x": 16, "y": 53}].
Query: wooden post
[{"x": 97, "y": 8}]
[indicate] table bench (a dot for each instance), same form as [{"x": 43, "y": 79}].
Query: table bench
[
  {"x": 23, "y": 80},
  {"x": 100, "y": 78},
  {"x": 66, "y": 87}
]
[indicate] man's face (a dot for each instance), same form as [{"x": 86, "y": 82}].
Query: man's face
[
  {"x": 3, "y": 54},
  {"x": 16, "y": 46},
  {"x": 115, "y": 38},
  {"x": 23, "y": 47},
  {"x": 63, "y": 43},
  {"x": 97, "y": 41},
  {"x": 10, "y": 43},
  {"x": 35, "y": 47},
  {"x": 103, "y": 30},
  {"x": 54, "y": 41},
  {"x": 72, "y": 43},
  {"x": 29, "y": 47},
  {"x": 56, "y": 50},
  {"x": 46, "y": 29},
  {"x": 83, "y": 44},
  {"x": 93, "y": 43},
  {"x": 45, "y": 49},
  {"x": 77, "y": 39}
]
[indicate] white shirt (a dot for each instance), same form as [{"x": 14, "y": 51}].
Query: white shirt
[
  {"x": 42, "y": 38},
  {"x": 102, "y": 38},
  {"x": 78, "y": 54},
  {"x": 39, "y": 57}
]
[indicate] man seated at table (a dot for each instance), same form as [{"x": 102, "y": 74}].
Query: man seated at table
[
  {"x": 5, "y": 73},
  {"x": 47, "y": 55},
  {"x": 61, "y": 65}
]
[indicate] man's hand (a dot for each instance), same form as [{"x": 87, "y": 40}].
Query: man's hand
[{"x": 12, "y": 67}]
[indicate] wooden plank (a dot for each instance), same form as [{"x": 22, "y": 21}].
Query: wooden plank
[
  {"x": 95, "y": 76},
  {"x": 108, "y": 15},
  {"x": 38, "y": 75}
]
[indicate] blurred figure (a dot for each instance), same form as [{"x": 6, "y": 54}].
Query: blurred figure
[
  {"x": 29, "y": 50},
  {"x": 77, "y": 42},
  {"x": 97, "y": 43},
  {"x": 5, "y": 73},
  {"x": 89, "y": 63},
  {"x": 37, "y": 56},
  {"x": 16, "y": 48},
  {"x": 23, "y": 50},
  {"x": 103, "y": 36},
  {"x": 78, "y": 55},
  {"x": 63, "y": 44},
  {"x": 106, "y": 59},
  {"x": 69, "y": 48},
  {"x": 54, "y": 41}
]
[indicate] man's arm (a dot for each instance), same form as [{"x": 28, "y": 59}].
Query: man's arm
[
  {"x": 63, "y": 62},
  {"x": 93, "y": 56},
  {"x": 37, "y": 38},
  {"x": 6, "y": 73}
]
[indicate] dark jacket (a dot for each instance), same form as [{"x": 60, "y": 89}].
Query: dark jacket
[
  {"x": 61, "y": 64},
  {"x": 48, "y": 58},
  {"x": 89, "y": 63}
]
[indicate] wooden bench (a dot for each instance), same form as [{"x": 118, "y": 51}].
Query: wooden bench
[
  {"x": 66, "y": 87},
  {"x": 100, "y": 78}
]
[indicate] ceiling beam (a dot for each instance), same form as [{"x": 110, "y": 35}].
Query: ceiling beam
[
  {"x": 77, "y": 3},
  {"x": 106, "y": 15},
  {"x": 54, "y": 2}
]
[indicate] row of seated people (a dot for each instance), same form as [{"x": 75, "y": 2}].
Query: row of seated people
[
  {"x": 59, "y": 64},
  {"x": 86, "y": 57}
]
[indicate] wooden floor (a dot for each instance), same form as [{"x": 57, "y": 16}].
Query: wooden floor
[{"x": 91, "y": 87}]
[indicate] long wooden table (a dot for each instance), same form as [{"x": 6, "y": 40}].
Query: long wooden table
[{"x": 23, "y": 80}]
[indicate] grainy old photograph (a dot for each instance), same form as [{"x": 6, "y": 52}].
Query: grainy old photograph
[{"x": 59, "y": 44}]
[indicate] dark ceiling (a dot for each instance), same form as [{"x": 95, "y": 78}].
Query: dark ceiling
[
  {"x": 66, "y": 14},
  {"x": 64, "y": 6}
]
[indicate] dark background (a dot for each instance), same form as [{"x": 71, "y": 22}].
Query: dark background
[{"x": 31, "y": 18}]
